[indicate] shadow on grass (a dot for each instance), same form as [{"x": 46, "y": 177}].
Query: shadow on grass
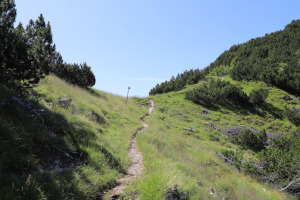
[
  {"x": 208, "y": 105},
  {"x": 276, "y": 112},
  {"x": 35, "y": 147},
  {"x": 245, "y": 108},
  {"x": 94, "y": 93}
]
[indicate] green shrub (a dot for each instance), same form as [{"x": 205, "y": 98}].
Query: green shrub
[
  {"x": 248, "y": 167},
  {"x": 215, "y": 136},
  {"x": 259, "y": 96},
  {"x": 233, "y": 158},
  {"x": 278, "y": 163},
  {"x": 293, "y": 115},
  {"x": 248, "y": 140},
  {"x": 282, "y": 159},
  {"x": 217, "y": 92}
]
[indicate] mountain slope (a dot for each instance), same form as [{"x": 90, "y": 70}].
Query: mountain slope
[
  {"x": 59, "y": 148},
  {"x": 64, "y": 142},
  {"x": 183, "y": 140},
  {"x": 274, "y": 59}
]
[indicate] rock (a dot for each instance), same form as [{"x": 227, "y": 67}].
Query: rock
[
  {"x": 204, "y": 112},
  {"x": 64, "y": 102},
  {"x": 182, "y": 116},
  {"x": 115, "y": 196},
  {"x": 97, "y": 118},
  {"x": 184, "y": 195},
  {"x": 173, "y": 193},
  {"x": 205, "y": 163},
  {"x": 189, "y": 129},
  {"x": 287, "y": 98},
  {"x": 272, "y": 136},
  {"x": 29, "y": 106},
  {"x": 211, "y": 190},
  {"x": 68, "y": 155},
  {"x": 30, "y": 112},
  {"x": 39, "y": 111},
  {"x": 235, "y": 130},
  {"x": 16, "y": 100},
  {"x": 214, "y": 126},
  {"x": 200, "y": 184}
]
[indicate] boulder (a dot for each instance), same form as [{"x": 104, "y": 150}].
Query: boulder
[
  {"x": 173, "y": 194},
  {"x": 214, "y": 126},
  {"x": 204, "y": 112},
  {"x": 189, "y": 129},
  {"x": 64, "y": 102},
  {"x": 287, "y": 98},
  {"x": 232, "y": 132}
]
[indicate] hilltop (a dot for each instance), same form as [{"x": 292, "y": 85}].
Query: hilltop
[{"x": 273, "y": 59}]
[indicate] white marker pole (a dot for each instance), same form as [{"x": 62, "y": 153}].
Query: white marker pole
[{"x": 127, "y": 96}]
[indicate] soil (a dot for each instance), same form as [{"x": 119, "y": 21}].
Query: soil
[{"x": 136, "y": 159}]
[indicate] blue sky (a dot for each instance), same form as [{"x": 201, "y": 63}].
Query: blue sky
[{"x": 139, "y": 43}]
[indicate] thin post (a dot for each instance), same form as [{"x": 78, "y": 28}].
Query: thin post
[{"x": 127, "y": 96}]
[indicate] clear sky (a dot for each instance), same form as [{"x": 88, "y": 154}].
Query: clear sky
[{"x": 139, "y": 43}]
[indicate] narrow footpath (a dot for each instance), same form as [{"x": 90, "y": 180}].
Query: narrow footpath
[{"x": 136, "y": 159}]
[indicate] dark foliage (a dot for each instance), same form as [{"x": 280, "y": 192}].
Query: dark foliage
[
  {"x": 278, "y": 163},
  {"x": 26, "y": 55},
  {"x": 274, "y": 59},
  {"x": 178, "y": 83},
  {"x": 281, "y": 160},
  {"x": 15, "y": 63},
  {"x": 293, "y": 115},
  {"x": 249, "y": 140},
  {"x": 258, "y": 97},
  {"x": 80, "y": 75},
  {"x": 217, "y": 92}
]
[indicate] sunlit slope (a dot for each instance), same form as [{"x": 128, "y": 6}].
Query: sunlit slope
[
  {"x": 173, "y": 155},
  {"x": 109, "y": 132},
  {"x": 75, "y": 149}
]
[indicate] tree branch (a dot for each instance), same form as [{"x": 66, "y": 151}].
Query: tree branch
[{"x": 296, "y": 179}]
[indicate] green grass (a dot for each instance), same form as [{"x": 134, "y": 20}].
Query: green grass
[
  {"x": 97, "y": 126},
  {"x": 176, "y": 156}
]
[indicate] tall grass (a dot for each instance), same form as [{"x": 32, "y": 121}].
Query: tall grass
[
  {"x": 96, "y": 127},
  {"x": 189, "y": 159}
]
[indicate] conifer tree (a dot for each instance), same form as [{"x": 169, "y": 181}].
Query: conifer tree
[{"x": 39, "y": 36}]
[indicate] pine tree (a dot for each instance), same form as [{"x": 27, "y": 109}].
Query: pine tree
[
  {"x": 7, "y": 19},
  {"x": 39, "y": 36}
]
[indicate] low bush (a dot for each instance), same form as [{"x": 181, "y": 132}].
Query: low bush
[
  {"x": 278, "y": 163},
  {"x": 217, "y": 92},
  {"x": 259, "y": 96},
  {"x": 282, "y": 160},
  {"x": 249, "y": 140},
  {"x": 293, "y": 115},
  {"x": 75, "y": 74}
]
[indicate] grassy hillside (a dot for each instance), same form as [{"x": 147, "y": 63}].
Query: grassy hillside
[
  {"x": 74, "y": 149},
  {"x": 173, "y": 155},
  {"x": 273, "y": 58},
  {"x": 59, "y": 148}
]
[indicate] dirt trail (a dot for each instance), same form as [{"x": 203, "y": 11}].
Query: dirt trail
[{"x": 136, "y": 159}]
